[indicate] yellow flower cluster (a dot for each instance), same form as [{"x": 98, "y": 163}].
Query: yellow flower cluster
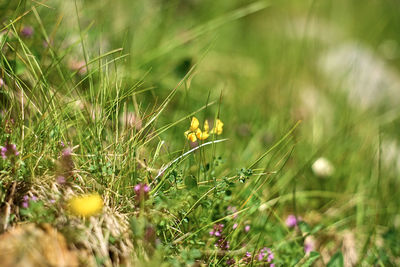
[
  {"x": 195, "y": 132},
  {"x": 86, "y": 205}
]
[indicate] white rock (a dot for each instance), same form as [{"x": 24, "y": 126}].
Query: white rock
[{"x": 362, "y": 74}]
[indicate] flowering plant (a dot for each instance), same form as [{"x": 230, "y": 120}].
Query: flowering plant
[{"x": 195, "y": 132}]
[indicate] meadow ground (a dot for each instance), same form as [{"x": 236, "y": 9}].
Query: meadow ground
[{"x": 199, "y": 133}]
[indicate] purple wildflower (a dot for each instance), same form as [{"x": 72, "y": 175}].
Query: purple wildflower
[
  {"x": 309, "y": 245},
  {"x": 67, "y": 152},
  {"x": 8, "y": 150},
  {"x": 247, "y": 257},
  {"x": 3, "y": 152},
  {"x": 217, "y": 231},
  {"x": 265, "y": 255},
  {"x": 141, "y": 192},
  {"x": 247, "y": 228},
  {"x": 222, "y": 243},
  {"x": 65, "y": 165},
  {"x": 1, "y": 82},
  {"x": 261, "y": 255},
  {"x": 235, "y": 226},
  {"x": 308, "y": 248},
  {"x": 265, "y": 252},
  {"x": 146, "y": 188},
  {"x": 291, "y": 221},
  {"x": 270, "y": 257},
  {"x": 25, "y": 203},
  {"x": 26, "y": 200},
  {"x": 27, "y": 31}
]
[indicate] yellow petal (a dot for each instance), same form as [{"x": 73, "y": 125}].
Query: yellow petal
[
  {"x": 206, "y": 127},
  {"x": 194, "y": 124},
  {"x": 198, "y": 133},
  {"x": 218, "y": 127},
  {"x": 86, "y": 205},
  {"x": 202, "y": 135},
  {"x": 192, "y": 137}
]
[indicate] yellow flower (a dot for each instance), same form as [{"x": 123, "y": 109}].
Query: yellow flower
[
  {"x": 191, "y": 133},
  {"x": 194, "y": 124},
  {"x": 202, "y": 135},
  {"x": 195, "y": 133},
  {"x": 86, "y": 205},
  {"x": 192, "y": 137},
  {"x": 218, "y": 127},
  {"x": 206, "y": 127}
]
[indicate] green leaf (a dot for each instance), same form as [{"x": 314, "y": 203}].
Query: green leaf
[
  {"x": 190, "y": 182},
  {"x": 311, "y": 259},
  {"x": 316, "y": 229},
  {"x": 195, "y": 253},
  {"x": 336, "y": 260},
  {"x": 304, "y": 227}
]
